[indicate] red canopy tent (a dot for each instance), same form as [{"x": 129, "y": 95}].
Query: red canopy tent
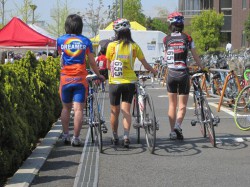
[{"x": 17, "y": 34}]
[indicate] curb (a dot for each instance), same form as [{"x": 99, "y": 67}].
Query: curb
[{"x": 31, "y": 166}]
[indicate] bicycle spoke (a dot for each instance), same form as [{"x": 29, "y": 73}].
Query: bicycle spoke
[
  {"x": 97, "y": 124},
  {"x": 242, "y": 110},
  {"x": 209, "y": 122},
  {"x": 200, "y": 117},
  {"x": 150, "y": 123}
]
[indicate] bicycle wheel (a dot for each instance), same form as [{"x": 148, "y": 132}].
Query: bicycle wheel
[
  {"x": 208, "y": 122},
  {"x": 242, "y": 109},
  {"x": 199, "y": 114},
  {"x": 136, "y": 117},
  {"x": 149, "y": 123},
  {"x": 97, "y": 123}
]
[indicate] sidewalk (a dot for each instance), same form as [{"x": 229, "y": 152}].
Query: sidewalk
[
  {"x": 30, "y": 168},
  {"x": 53, "y": 158}
]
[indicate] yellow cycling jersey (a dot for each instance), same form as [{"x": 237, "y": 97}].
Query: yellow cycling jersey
[{"x": 123, "y": 67}]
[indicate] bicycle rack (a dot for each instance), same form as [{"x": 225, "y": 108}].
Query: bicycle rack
[{"x": 221, "y": 96}]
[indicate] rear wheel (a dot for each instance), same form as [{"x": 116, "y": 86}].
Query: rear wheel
[
  {"x": 97, "y": 123},
  {"x": 150, "y": 123},
  {"x": 136, "y": 117},
  {"x": 209, "y": 122},
  {"x": 242, "y": 109}
]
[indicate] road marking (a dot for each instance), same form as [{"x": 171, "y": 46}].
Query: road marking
[
  {"x": 237, "y": 139},
  {"x": 222, "y": 108},
  {"x": 87, "y": 172},
  {"x": 162, "y": 96}
]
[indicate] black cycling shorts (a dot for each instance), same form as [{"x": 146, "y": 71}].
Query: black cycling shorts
[
  {"x": 118, "y": 91},
  {"x": 178, "y": 81},
  {"x": 104, "y": 72}
]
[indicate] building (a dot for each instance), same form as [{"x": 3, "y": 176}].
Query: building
[{"x": 235, "y": 14}]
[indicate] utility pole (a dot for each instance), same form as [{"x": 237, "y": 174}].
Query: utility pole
[
  {"x": 3, "y": 3},
  {"x": 121, "y": 8},
  {"x": 116, "y": 7},
  {"x": 33, "y": 8}
]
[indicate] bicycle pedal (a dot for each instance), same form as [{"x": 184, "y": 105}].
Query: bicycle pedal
[
  {"x": 137, "y": 125},
  {"x": 216, "y": 120},
  {"x": 193, "y": 122},
  {"x": 104, "y": 129},
  {"x": 157, "y": 126}
]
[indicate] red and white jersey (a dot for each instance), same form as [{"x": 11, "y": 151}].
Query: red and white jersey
[{"x": 176, "y": 49}]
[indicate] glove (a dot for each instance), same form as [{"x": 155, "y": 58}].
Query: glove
[{"x": 206, "y": 69}]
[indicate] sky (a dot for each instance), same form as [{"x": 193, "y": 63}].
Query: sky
[{"x": 44, "y": 7}]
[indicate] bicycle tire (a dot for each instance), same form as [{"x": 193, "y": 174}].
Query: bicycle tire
[
  {"x": 136, "y": 115},
  {"x": 209, "y": 122},
  {"x": 97, "y": 123},
  {"x": 89, "y": 113},
  {"x": 149, "y": 123},
  {"x": 242, "y": 109},
  {"x": 199, "y": 115}
]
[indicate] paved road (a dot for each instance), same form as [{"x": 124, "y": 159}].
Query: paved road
[{"x": 192, "y": 162}]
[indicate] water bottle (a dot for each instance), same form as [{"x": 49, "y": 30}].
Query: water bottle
[{"x": 141, "y": 104}]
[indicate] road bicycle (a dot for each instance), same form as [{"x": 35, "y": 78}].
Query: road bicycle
[
  {"x": 242, "y": 106},
  {"x": 143, "y": 113},
  {"x": 203, "y": 112},
  {"x": 93, "y": 112}
]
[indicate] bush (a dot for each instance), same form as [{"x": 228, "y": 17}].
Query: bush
[{"x": 29, "y": 105}]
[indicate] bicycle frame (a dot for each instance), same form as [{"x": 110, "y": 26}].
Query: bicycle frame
[
  {"x": 205, "y": 117},
  {"x": 145, "y": 114},
  {"x": 94, "y": 120}
]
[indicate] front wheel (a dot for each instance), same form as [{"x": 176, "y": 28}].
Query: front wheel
[
  {"x": 199, "y": 114},
  {"x": 149, "y": 123},
  {"x": 242, "y": 109},
  {"x": 208, "y": 117},
  {"x": 97, "y": 124}
]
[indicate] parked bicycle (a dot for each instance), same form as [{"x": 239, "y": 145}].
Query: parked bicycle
[
  {"x": 144, "y": 114},
  {"x": 93, "y": 113},
  {"x": 203, "y": 112},
  {"x": 242, "y": 105}
]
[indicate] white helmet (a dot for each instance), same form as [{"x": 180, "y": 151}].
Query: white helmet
[{"x": 121, "y": 24}]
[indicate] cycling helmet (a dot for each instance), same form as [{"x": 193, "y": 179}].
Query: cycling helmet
[
  {"x": 121, "y": 24},
  {"x": 176, "y": 18}
]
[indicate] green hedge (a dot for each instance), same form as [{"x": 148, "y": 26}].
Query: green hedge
[{"x": 29, "y": 105}]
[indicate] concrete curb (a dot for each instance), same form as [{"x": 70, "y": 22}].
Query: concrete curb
[{"x": 30, "y": 168}]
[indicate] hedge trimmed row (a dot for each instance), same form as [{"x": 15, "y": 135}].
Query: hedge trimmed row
[{"x": 29, "y": 105}]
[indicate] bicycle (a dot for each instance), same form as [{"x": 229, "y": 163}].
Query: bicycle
[
  {"x": 203, "y": 112},
  {"x": 93, "y": 110},
  {"x": 242, "y": 106},
  {"x": 143, "y": 114}
]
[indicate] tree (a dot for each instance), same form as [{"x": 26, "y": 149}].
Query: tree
[
  {"x": 23, "y": 10},
  {"x": 206, "y": 30},
  {"x": 94, "y": 17},
  {"x": 58, "y": 15},
  {"x": 132, "y": 10},
  {"x": 157, "y": 24},
  {"x": 247, "y": 28}
]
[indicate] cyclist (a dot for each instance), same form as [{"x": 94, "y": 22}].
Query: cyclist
[
  {"x": 121, "y": 55},
  {"x": 74, "y": 48},
  {"x": 101, "y": 62},
  {"x": 176, "y": 46}
]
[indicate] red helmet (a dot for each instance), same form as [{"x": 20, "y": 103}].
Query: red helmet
[
  {"x": 121, "y": 24},
  {"x": 176, "y": 18}
]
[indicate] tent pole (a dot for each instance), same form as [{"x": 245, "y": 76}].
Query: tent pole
[{"x": 47, "y": 50}]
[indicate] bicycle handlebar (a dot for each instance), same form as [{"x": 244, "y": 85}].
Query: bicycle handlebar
[{"x": 92, "y": 77}]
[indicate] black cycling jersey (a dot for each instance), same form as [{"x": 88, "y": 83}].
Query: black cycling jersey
[{"x": 176, "y": 47}]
